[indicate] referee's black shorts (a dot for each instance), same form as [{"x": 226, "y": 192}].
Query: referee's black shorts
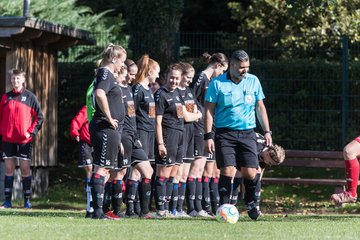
[{"x": 236, "y": 148}]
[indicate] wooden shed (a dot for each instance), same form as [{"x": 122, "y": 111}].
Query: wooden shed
[{"x": 32, "y": 45}]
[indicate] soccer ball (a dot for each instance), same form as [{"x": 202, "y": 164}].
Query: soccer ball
[{"x": 227, "y": 213}]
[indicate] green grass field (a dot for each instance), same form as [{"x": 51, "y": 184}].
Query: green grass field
[
  {"x": 291, "y": 212},
  {"x": 63, "y": 224}
]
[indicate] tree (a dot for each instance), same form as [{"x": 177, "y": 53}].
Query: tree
[
  {"x": 207, "y": 16},
  {"x": 66, "y": 12},
  {"x": 152, "y": 25},
  {"x": 304, "y": 25}
]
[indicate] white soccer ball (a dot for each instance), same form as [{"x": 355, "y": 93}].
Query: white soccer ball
[{"x": 227, "y": 213}]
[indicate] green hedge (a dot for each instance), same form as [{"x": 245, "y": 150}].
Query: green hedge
[{"x": 303, "y": 98}]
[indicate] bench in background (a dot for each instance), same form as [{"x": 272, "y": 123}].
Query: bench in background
[{"x": 310, "y": 159}]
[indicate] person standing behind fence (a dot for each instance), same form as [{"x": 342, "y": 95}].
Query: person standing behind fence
[
  {"x": 106, "y": 123},
  {"x": 199, "y": 180},
  {"x": 20, "y": 119},
  {"x": 351, "y": 153},
  {"x": 232, "y": 102},
  {"x": 79, "y": 131}
]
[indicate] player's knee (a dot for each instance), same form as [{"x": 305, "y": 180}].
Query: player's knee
[{"x": 349, "y": 153}]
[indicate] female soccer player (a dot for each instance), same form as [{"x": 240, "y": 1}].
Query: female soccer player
[
  {"x": 105, "y": 126},
  {"x": 201, "y": 170},
  {"x": 170, "y": 116}
]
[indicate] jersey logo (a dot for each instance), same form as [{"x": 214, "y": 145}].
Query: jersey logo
[
  {"x": 136, "y": 89},
  {"x": 106, "y": 73},
  {"x": 248, "y": 99},
  {"x": 23, "y": 98}
]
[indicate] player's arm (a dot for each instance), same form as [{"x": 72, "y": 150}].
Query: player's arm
[
  {"x": 159, "y": 136},
  {"x": 103, "y": 104},
  {"x": 263, "y": 120},
  {"x": 191, "y": 117},
  {"x": 209, "y": 113}
]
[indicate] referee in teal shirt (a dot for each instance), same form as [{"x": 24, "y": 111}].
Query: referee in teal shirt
[{"x": 231, "y": 103}]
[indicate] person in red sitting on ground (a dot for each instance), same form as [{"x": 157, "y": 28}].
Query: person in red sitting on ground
[{"x": 351, "y": 153}]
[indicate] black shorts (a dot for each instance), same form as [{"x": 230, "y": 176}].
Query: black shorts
[
  {"x": 236, "y": 148},
  {"x": 105, "y": 142},
  {"x": 173, "y": 141},
  {"x": 188, "y": 135},
  {"x": 85, "y": 155},
  {"x": 133, "y": 152},
  {"x": 19, "y": 151},
  {"x": 147, "y": 140},
  {"x": 199, "y": 146}
]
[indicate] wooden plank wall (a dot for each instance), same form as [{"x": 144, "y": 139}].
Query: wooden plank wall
[{"x": 41, "y": 67}]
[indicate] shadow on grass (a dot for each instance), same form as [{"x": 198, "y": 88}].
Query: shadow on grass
[
  {"x": 310, "y": 218},
  {"x": 40, "y": 213}
]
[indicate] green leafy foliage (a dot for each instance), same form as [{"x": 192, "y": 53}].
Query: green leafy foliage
[
  {"x": 299, "y": 24},
  {"x": 66, "y": 12}
]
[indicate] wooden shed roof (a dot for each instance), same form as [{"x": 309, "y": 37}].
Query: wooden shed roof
[{"x": 23, "y": 29}]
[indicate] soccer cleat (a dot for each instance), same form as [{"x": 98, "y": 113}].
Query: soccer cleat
[
  {"x": 131, "y": 215},
  {"x": 101, "y": 217},
  {"x": 161, "y": 214},
  {"x": 112, "y": 215},
  {"x": 6, "y": 204},
  {"x": 88, "y": 214},
  {"x": 203, "y": 213},
  {"x": 211, "y": 214},
  {"x": 164, "y": 214},
  {"x": 181, "y": 214},
  {"x": 174, "y": 212},
  {"x": 148, "y": 215},
  {"x": 343, "y": 197},
  {"x": 193, "y": 213},
  {"x": 120, "y": 214},
  {"x": 27, "y": 204},
  {"x": 253, "y": 211}
]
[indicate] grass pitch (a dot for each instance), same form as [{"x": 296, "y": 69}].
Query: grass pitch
[
  {"x": 291, "y": 212},
  {"x": 63, "y": 224}
]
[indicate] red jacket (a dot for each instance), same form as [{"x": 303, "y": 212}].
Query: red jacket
[
  {"x": 20, "y": 112},
  {"x": 79, "y": 126}
]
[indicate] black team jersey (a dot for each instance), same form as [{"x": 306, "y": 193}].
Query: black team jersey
[
  {"x": 169, "y": 105},
  {"x": 199, "y": 87},
  {"x": 130, "y": 117},
  {"x": 188, "y": 98},
  {"x": 144, "y": 108},
  {"x": 261, "y": 145},
  {"x": 105, "y": 80}
]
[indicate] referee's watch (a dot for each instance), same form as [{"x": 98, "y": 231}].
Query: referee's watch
[{"x": 270, "y": 132}]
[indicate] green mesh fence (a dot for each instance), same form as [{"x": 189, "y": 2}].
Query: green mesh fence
[{"x": 312, "y": 95}]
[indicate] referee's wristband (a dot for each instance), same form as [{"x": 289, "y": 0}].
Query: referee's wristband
[{"x": 209, "y": 135}]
